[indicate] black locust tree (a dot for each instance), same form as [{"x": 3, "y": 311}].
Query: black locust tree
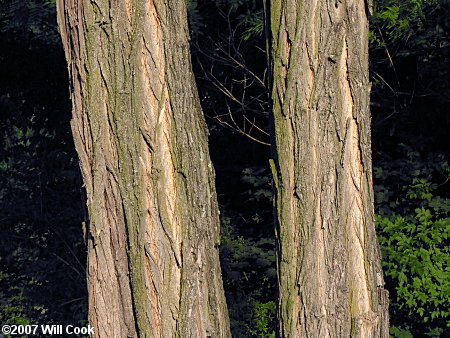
[
  {"x": 153, "y": 263},
  {"x": 330, "y": 277}
]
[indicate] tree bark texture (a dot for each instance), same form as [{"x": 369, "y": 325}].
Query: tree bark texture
[
  {"x": 330, "y": 277},
  {"x": 153, "y": 263}
]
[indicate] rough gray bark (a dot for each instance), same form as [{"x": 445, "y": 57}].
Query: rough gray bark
[
  {"x": 330, "y": 277},
  {"x": 153, "y": 264}
]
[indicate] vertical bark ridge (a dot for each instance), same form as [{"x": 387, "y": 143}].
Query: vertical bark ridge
[
  {"x": 331, "y": 282},
  {"x": 153, "y": 264}
]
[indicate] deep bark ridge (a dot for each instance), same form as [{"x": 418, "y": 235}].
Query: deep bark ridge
[
  {"x": 153, "y": 263},
  {"x": 330, "y": 277}
]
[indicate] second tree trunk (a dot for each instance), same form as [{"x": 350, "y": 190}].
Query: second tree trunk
[{"x": 330, "y": 277}]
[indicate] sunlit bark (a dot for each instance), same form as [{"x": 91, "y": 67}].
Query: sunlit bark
[
  {"x": 330, "y": 278},
  {"x": 153, "y": 264}
]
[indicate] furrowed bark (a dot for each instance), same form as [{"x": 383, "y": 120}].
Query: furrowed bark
[
  {"x": 153, "y": 263},
  {"x": 330, "y": 277}
]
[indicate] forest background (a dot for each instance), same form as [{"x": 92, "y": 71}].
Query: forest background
[{"x": 42, "y": 252}]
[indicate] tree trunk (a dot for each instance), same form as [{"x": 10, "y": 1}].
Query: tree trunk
[
  {"x": 153, "y": 263},
  {"x": 330, "y": 277}
]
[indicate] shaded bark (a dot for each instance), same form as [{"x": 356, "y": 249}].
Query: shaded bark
[
  {"x": 153, "y": 264},
  {"x": 330, "y": 277}
]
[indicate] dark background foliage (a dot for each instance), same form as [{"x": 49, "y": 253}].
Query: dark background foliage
[{"x": 42, "y": 253}]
